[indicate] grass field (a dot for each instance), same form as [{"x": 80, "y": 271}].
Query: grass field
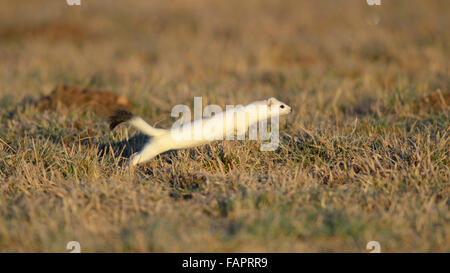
[{"x": 362, "y": 157}]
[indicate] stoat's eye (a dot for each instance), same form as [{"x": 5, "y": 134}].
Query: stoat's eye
[{"x": 282, "y": 106}]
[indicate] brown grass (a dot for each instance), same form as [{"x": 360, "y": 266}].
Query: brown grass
[{"x": 358, "y": 160}]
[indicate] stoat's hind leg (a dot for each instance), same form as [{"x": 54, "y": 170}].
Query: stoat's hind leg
[{"x": 146, "y": 154}]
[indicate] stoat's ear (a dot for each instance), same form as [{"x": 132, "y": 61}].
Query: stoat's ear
[{"x": 271, "y": 101}]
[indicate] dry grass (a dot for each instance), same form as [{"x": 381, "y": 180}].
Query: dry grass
[{"x": 358, "y": 160}]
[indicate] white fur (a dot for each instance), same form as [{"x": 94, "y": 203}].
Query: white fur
[{"x": 216, "y": 127}]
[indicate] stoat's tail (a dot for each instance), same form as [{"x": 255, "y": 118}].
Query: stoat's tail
[{"x": 124, "y": 116}]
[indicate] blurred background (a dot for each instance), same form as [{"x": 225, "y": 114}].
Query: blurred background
[{"x": 165, "y": 52}]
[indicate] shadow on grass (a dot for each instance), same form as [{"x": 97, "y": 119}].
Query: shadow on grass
[{"x": 125, "y": 148}]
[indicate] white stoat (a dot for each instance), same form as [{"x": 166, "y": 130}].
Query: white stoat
[{"x": 186, "y": 136}]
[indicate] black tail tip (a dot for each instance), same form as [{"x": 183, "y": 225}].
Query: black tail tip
[{"x": 118, "y": 117}]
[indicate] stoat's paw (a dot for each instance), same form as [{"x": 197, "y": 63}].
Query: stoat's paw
[{"x": 132, "y": 161}]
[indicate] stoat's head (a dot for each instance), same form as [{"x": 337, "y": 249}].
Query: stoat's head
[{"x": 275, "y": 105}]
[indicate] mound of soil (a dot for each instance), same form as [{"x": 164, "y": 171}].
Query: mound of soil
[
  {"x": 101, "y": 102},
  {"x": 436, "y": 101}
]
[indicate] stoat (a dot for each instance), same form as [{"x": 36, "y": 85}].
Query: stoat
[{"x": 200, "y": 131}]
